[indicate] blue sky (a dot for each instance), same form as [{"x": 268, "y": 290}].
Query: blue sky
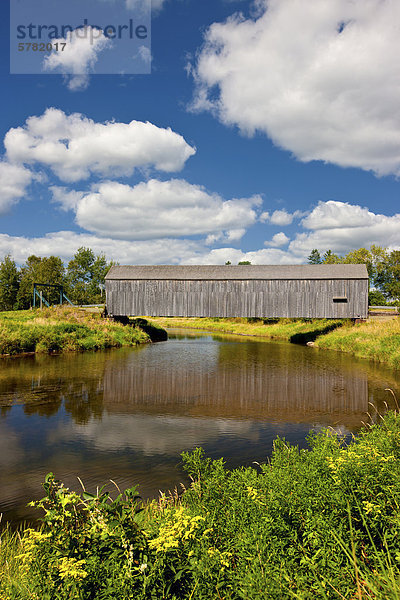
[{"x": 265, "y": 129}]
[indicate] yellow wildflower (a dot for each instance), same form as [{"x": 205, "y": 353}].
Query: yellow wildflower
[
  {"x": 179, "y": 526},
  {"x": 71, "y": 568}
]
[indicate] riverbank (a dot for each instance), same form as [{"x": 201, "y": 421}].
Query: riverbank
[
  {"x": 317, "y": 523},
  {"x": 63, "y": 329},
  {"x": 295, "y": 331},
  {"x": 377, "y": 340}
]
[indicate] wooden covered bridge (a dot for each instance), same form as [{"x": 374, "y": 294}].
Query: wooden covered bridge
[{"x": 269, "y": 291}]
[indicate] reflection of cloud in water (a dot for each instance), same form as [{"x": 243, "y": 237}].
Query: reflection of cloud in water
[
  {"x": 153, "y": 434},
  {"x": 339, "y": 430},
  {"x": 11, "y": 452},
  {"x": 14, "y": 489}
]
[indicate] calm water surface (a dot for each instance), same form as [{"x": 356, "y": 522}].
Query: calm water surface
[{"x": 127, "y": 414}]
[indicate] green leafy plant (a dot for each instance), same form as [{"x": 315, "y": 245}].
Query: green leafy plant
[{"x": 90, "y": 545}]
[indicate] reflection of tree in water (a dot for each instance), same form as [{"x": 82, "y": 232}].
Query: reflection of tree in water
[
  {"x": 43, "y": 384},
  {"x": 86, "y": 404},
  {"x": 45, "y": 409},
  {"x": 4, "y": 410}
]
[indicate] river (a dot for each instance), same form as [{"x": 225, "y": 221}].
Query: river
[{"x": 127, "y": 414}]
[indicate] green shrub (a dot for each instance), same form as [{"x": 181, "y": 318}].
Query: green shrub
[
  {"x": 282, "y": 525},
  {"x": 89, "y": 547}
]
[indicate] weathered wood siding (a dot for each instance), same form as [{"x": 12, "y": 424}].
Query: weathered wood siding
[{"x": 307, "y": 298}]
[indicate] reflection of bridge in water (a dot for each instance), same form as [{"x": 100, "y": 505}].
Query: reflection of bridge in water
[{"x": 280, "y": 384}]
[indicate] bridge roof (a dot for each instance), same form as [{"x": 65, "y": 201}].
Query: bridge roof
[{"x": 245, "y": 272}]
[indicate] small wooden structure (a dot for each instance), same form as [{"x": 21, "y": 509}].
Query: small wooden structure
[
  {"x": 269, "y": 291},
  {"x": 38, "y": 293}
]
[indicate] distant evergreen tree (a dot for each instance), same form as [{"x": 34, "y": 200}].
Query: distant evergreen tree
[
  {"x": 244, "y": 262},
  {"x": 315, "y": 257},
  {"x": 9, "y": 283},
  {"x": 228, "y": 262}
]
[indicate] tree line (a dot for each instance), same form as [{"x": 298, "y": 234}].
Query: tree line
[
  {"x": 82, "y": 279},
  {"x": 383, "y": 268}
]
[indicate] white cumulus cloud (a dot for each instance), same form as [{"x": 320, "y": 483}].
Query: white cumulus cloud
[
  {"x": 263, "y": 256},
  {"x": 66, "y": 243},
  {"x": 65, "y": 198},
  {"x": 279, "y": 239},
  {"x": 146, "y": 252},
  {"x": 156, "y": 209},
  {"x": 320, "y": 78},
  {"x": 14, "y": 179},
  {"x": 332, "y": 214},
  {"x": 75, "y": 147},
  {"x": 383, "y": 230},
  {"x": 145, "y": 54},
  {"x": 76, "y": 61},
  {"x": 342, "y": 227},
  {"x": 280, "y": 217}
]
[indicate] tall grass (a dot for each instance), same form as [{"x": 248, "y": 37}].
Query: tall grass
[
  {"x": 377, "y": 340},
  {"x": 12, "y": 576},
  {"x": 63, "y": 329}
]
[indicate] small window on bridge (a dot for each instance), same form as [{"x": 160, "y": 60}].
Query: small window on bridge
[{"x": 340, "y": 299}]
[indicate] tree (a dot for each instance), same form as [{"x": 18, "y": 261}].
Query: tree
[
  {"x": 360, "y": 256},
  {"x": 376, "y": 258},
  {"x": 85, "y": 275},
  {"x": 9, "y": 283},
  {"x": 244, "y": 262},
  {"x": 40, "y": 270},
  {"x": 228, "y": 262},
  {"x": 387, "y": 277},
  {"x": 315, "y": 257},
  {"x": 29, "y": 274},
  {"x": 376, "y": 298},
  {"x": 330, "y": 258},
  {"x": 379, "y": 258}
]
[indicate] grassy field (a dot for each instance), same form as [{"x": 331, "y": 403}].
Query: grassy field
[
  {"x": 63, "y": 329},
  {"x": 319, "y": 523}
]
